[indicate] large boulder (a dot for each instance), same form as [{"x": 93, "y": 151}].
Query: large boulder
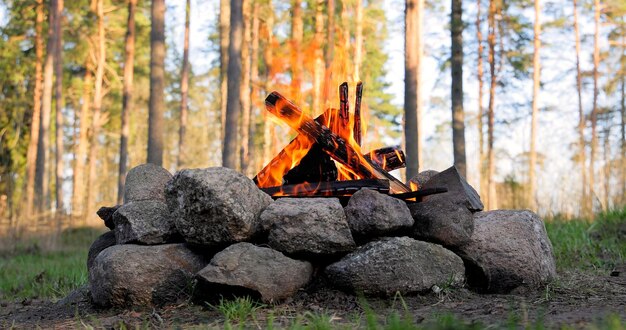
[
  {"x": 459, "y": 191},
  {"x": 215, "y": 206},
  {"x": 508, "y": 249},
  {"x": 101, "y": 243},
  {"x": 396, "y": 264},
  {"x": 144, "y": 222},
  {"x": 372, "y": 214},
  {"x": 442, "y": 221},
  {"x": 127, "y": 275},
  {"x": 263, "y": 273},
  {"x": 308, "y": 227},
  {"x": 146, "y": 182}
]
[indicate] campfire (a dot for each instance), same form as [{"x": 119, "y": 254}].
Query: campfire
[{"x": 325, "y": 158}]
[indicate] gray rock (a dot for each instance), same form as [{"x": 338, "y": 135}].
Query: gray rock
[
  {"x": 102, "y": 242},
  {"x": 106, "y": 214},
  {"x": 80, "y": 295},
  {"x": 215, "y": 206},
  {"x": 144, "y": 222},
  {"x": 442, "y": 221},
  {"x": 508, "y": 249},
  {"x": 261, "y": 272},
  {"x": 372, "y": 214},
  {"x": 139, "y": 275},
  {"x": 310, "y": 227},
  {"x": 396, "y": 264},
  {"x": 146, "y": 182},
  {"x": 459, "y": 191},
  {"x": 422, "y": 177}
]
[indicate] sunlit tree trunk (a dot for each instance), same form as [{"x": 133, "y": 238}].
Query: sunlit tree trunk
[
  {"x": 345, "y": 28},
  {"x": 127, "y": 97},
  {"x": 58, "y": 103},
  {"x": 318, "y": 75},
  {"x": 42, "y": 184},
  {"x": 268, "y": 55},
  {"x": 156, "y": 105},
  {"x": 330, "y": 51},
  {"x": 78, "y": 192},
  {"x": 245, "y": 87},
  {"x": 254, "y": 82},
  {"x": 31, "y": 155},
  {"x": 491, "y": 167},
  {"x": 458, "y": 116},
  {"x": 97, "y": 111},
  {"x": 358, "y": 40},
  {"x": 233, "y": 106},
  {"x": 623, "y": 119},
  {"x": 412, "y": 106},
  {"x": 607, "y": 165},
  {"x": 532, "y": 181},
  {"x": 581, "y": 119},
  {"x": 479, "y": 73},
  {"x": 224, "y": 30},
  {"x": 184, "y": 91},
  {"x": 594, "y": 110},
  {"x": 296, "y": 50}
]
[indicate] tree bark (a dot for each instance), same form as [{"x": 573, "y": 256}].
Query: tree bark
[
  {"x": 412, "y": 107},
  {"x": 31, "y": 156},
  {"x": 594, "y": 110},
  {"x": 584, "y": 203},
  {"x": 607, "y": 165},
  {"x": 491, "y": 40},
  {"x": 329, "y": 55},
  {"x": 58, "y": 102},
  {"x": 224, "y": 29},
  {"x": 297, "y": 32},
  {"x": 78, "y": 193},
  {"x": 184, "y": 91},
  {"x": 233, "y": 106},
  {"x": 97, "y": 110},
  {"x": 254, "y": 79},
  {"x": 481, "y": 135},
  {"x": 358, "y": 41},
  {"x": 623, "y": 120},
  {"x": 532, "y": 181},
  {"x": 268, "y": 128},
  {"x": 318, "y": 75},
  {"x": 458, "y": 116},
  {"x": 127, "y": 97},
  {"x": 245, "y": 87},
  {"x": 156, "y": 104},
  {"x": 42, "y": 184}
]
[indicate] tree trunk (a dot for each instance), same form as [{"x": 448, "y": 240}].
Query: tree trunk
[
  {"x": 330, "y": 51},
  {"x": 224, "y": 29},
  {"x": 607, "y": 165},
  {"x": 594, "y": 110},
  {"x": 245, "y": 87},
  {"x": 296, "y": 51},
  {"x": 358, "y": 41},
  {"x": 31, "y": 156},
  {"x": 532, "y": 164},
  {"x": 268, "y": 128},
  {"x": 97, "y": 110},
  {"x": 623, "y": 119},
  {"x": 412, "y": 59},
  {"x": 318, "y": 75},
  {"x": 254, "y": 79},
  {"x": 78, "y": 193},
  {"x": 184, "y": 91},
  {"x": 491, "y": 40},
  {"x": 345, "y": 28},
  {"x": 233, "y": 106},
  {"x": 481, "y": 135},
  {"x": 458, "y": 117},
  {"x": 584, "y": 203},
  {"x": 58, "y": 101},
  {"x": 156, "y": 104},
  {"x": 42, "y": 184},
  {"x": 127, "y": 97}
]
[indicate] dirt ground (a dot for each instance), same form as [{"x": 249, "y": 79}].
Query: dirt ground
[{"x": 576, "y": 299}]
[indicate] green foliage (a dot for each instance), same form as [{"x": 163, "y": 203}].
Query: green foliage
[
  {"x": 583, "y": 244},
  {"x": 238, "y": 310}
]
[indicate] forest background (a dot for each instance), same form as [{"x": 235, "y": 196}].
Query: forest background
[{"x": 526, "y": 98}]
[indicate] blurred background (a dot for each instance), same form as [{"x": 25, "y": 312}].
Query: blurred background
[{"x": 526, "y": 98}]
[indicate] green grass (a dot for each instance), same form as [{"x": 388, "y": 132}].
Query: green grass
[
  {"x": 31, "y": 270},
  {"x": 586, "y": 245}
]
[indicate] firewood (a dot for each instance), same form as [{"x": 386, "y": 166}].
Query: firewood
[
  {"x": 344, "y": 109},
  {"x": 388, "y": 158},
  {"x": 328, "y": 189},
  {"x": 356, "y": 129},
  {"x": 335, "y": 146},
  {"x": 416, "y": 196},
  {"x": 316, "y": 166}
]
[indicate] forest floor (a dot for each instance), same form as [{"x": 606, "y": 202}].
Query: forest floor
[{"x": 590, "y": 292}]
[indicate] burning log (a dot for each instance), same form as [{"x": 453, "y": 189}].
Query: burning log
[
  {"x": 335, "y": 146},
  {"x": 315, "y": 166},
  {"x": 332, "y": 188},
  {"x": 356, "y": 129},
  {"x": 388, "y": 158}
]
